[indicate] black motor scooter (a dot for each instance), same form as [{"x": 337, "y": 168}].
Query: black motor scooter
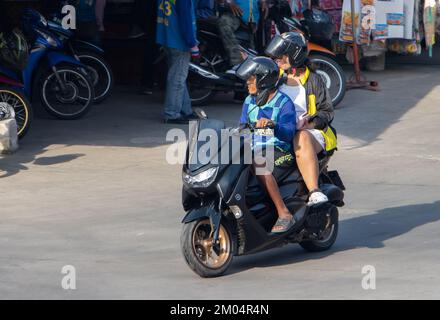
[{"x": 230, "y": 214}]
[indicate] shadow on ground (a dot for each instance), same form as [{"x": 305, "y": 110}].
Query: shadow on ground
[{"x": 367, "y": 231}]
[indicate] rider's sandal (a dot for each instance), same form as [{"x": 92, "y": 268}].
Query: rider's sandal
[{"x": 285, "y": 225}]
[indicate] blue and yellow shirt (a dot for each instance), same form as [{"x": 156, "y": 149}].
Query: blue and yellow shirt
[
  {"x": 251, "y": 10},
  {"x": 176, "y": 24},
  {"x": 279, "y": 109}
]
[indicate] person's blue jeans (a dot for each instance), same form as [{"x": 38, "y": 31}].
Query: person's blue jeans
[{"x": 177, "y": 100}]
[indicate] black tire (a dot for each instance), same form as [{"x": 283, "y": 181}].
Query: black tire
[
  {"x": 101, "y": 74},
  {"x": 24, "y": 113},
  {"x": 194, "y": 83},
  {"x": 193, "y": 260},
  {"x": 331, "y": 71},
  {"x": 81, "y": 101},
  {"x": 325, "y": 244}
]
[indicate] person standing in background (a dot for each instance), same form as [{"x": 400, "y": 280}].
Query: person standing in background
[
  {"x": 99, "y": 12},
  {"x": 176, "y": 31},
  {"x": 87, "y": 27},
  {"x": 139, "y": 21},
  {"x": 151, "y": 50}
]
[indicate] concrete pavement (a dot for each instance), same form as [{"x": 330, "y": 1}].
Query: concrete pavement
[{"x": 97, "y": 194}]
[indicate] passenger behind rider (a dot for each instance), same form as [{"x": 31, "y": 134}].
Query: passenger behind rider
[
  {"x": 267, "y": 107},
  {"x": 242, "y": 12},
  {"x": 314, "y": 108}
]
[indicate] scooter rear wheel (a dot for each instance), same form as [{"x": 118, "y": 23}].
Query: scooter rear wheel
[
  {"x": 204, "y": 258},
  {"x": 332, "y": 74},
  {"x": 328, "y": 236}
]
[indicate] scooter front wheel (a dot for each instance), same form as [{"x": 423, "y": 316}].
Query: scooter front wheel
[
  {"x": 203, "y": 256},
  {"x": 22, "y": 108},
  {"x": 67, "y": 94}
]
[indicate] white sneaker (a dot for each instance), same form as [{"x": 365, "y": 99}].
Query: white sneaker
[{"x": 317, "y": 197}]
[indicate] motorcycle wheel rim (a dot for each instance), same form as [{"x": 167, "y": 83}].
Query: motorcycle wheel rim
[
  {"x": 20, "y": 108},
  {"x": 208, "y": 255},
  {"x": 326, "y": 234},
  {"x": 81, "y": 101}
]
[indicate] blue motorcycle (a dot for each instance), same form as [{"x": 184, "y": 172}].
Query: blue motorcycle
[
  {"x": 88, "y": 53},
  {"x": 64, "y": 87}
]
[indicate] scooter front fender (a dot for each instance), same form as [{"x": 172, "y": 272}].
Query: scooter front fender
[
  {"x": 54, "y": 58},
  {"x": 205, "y": 212}
]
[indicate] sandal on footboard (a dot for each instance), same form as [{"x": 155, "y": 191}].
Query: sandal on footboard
[{"x": 283, "y": 225}]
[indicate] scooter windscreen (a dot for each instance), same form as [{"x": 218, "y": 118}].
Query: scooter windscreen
[
  {"x": 277, "y": 47},
  {"x": 247, "y": 69}
]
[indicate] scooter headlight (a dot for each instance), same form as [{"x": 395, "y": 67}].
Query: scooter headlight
[{"x": 201, "y": 180}]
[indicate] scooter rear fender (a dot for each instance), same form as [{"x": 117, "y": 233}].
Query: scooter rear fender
[{"x": 317, "y": 48}]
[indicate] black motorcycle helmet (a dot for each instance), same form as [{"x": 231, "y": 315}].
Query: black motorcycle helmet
[
  {"x": 320, "y": 24},
  {"x": 292, "y": 44},
  {"x": 267, "y": 73}
]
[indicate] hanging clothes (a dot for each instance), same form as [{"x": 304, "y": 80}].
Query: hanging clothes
[
  {"x": 437, "y": 27},
  {"x": 429, "y": 17}
]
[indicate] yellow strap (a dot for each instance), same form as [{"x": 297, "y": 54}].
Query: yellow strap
[
  {"x": 312, "y": 105},
  {"x": 330, "y": 139},
  {"x": 303, "y": 79}
]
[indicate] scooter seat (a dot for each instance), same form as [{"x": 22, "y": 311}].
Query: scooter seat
[{"x": 334, "y": 194}]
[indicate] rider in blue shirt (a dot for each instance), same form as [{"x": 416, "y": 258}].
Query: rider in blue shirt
[{"x": 273, "y": 116}]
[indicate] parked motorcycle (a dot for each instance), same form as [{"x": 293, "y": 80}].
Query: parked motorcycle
[
  {"x": 65, "y": 90},
  {"x": 11, "y": 93},
  {"x": 89, "y": 54},
  {"x": 230, "y": 214},
  {"x": 211, "y": 74}
]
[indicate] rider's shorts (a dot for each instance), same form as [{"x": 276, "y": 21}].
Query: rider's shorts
[
  {"x": 280, "y": 161},
  {"x": 317, "y": 134}
]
